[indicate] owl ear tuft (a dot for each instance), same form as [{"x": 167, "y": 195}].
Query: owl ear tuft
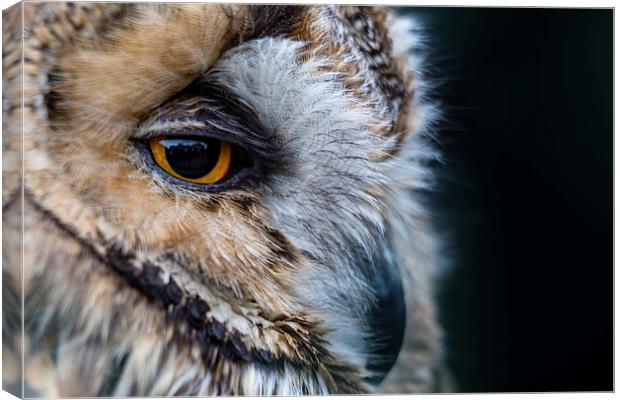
[{"x": 272, "y": 20}]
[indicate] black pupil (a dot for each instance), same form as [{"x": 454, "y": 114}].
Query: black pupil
[{"x": 192, "y": 158}]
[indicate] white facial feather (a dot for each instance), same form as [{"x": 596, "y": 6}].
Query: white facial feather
[{"x": 326, "y": 196}]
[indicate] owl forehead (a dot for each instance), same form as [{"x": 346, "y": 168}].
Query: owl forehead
[{"x": 144, "y": 54}]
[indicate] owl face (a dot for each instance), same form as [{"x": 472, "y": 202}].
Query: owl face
[{"x": 218, "y": 198}]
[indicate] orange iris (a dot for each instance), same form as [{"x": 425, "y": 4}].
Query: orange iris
[{"x": 196, "y": 160}]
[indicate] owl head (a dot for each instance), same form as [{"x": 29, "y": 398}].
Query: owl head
[{"x": 218, "y": 199}]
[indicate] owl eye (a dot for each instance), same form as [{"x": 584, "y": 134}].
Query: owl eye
[{"x": 196, "y": 160}]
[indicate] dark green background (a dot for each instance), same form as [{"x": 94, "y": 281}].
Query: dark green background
[{"x": 525, "y": 195}]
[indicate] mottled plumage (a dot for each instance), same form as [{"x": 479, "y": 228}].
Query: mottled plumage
[{"x": 303, "y": 273}]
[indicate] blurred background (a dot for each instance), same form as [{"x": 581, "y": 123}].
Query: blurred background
[{"x": 525, "y": 195}]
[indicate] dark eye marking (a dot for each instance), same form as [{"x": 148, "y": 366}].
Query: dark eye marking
[{"x": 207, "y": 139}]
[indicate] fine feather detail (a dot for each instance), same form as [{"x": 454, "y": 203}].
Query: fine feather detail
[{"x": 286, "y": 266}]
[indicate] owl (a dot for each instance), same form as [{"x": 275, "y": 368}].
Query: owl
[{"x": 217, "y": 199}]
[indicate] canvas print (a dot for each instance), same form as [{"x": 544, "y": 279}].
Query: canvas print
[{"x": 252, "y": 199}]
